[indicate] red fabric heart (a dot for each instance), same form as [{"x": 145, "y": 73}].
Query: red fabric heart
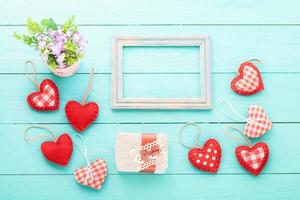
[
  {"x": 60, "y": 151},
  {"x": 81, "y": 116},
  {"x": 46, "y": 99},
  {"x": 207, "y": 158},
  {"x": 92, "y": 176},
  {"x": 248, "y": 81},
  {"x": 253, "y": 158}
]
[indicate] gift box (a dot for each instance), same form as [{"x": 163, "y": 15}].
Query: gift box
[{"x": 141, "y": 152}]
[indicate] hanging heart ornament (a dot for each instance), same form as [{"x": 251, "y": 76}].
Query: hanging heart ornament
[
  {"x": 81, "y": 115},
  {"x": 258, "y": 122},
  {"x": 248, "y": 81},
  {"x": 206, "y": 158},
  {"x": 92, "y": 176},
  {"x": 46, "y": 99},
  {"x": 56, "y": 150},
  {"x": 59, "y": 151},
  {"x": 253, "y": 158}
]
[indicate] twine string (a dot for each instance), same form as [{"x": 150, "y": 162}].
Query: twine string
[
  {"x": 90, "y": 86},
  {"x": 255, "y": 61},
  {"x": 238, "y": 117},
  {"x": 33, "y": 76},
  {"x": 245, "y": 138},
  {"x": 83, "y": 151},
  {"x": 32, "y": 138},
  {"x": 196, "y": 137}
]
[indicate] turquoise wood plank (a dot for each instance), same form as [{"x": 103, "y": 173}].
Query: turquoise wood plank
[
  {"x": 156, "y": 12},
  {"x": 283, "y": 143},
  {"x": 278, "y": 92},
  {"x": 278, "y": 47},
  {"x": 234, "y": 187}
]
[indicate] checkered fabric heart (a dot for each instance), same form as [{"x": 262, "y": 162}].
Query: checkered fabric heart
[
  {"x": 253, "y": 158},
  {"x": 257, "y": 123},
  {"x": 248, "y": 81},
  {"x": 92, "y": 176},
  {"x": 46, "y": 99}
]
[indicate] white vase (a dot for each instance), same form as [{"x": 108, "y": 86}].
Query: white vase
[{"x": 67, "y": 71}]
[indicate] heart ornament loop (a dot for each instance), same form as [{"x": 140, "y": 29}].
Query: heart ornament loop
[{"x": 206, "y": 157}]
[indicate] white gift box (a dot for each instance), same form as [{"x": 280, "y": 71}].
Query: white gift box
[{"x": 141, "y": 152}]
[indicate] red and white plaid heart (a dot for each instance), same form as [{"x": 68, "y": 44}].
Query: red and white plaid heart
[
  {"x": 253, "y": 158},
  {"x": 92, "y": 176},
  {"x": 46, "y": 99},
  {"x": 257, "y": 123},
  {"x": 248, "y": 81}
]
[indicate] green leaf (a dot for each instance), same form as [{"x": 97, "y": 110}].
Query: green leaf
[
  {"x": 33, "y": 27},
  {"x": 45, "y": 22},
  {"x": 35, "y": 40},
  {"x": 17, "y": 36},
  {"x": 27, "y": 40},
  {"x": 52, "y": 24},
  {"x": 69, "y": 25}
]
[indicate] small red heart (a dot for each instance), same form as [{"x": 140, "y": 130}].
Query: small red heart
[
  {"x": 60, "y": 151},
  {"x": 207, "y": 158},
  {"x": 253, "y": 158},
  {"x": 248, "y": 81},
  {"x": 46, "y": 99},
  {"x": 81, "y": 116}
]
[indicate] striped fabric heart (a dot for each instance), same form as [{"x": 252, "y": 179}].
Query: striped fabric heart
[
  {"x": 93, "y": 175},
  {"x": 257, "y": 122}
]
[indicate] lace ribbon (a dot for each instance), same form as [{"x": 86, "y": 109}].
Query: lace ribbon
[{"x": 149, "y": 155}]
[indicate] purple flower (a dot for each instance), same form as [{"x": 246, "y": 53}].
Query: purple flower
[
  {"x": 41, "y": 44},
  {"x": 51, "y": 34},
  {"x": 54, "y": 44},
  {"x": 57, "y": 47},
  {"x": 77, "y": 37},
  {"x": 60, "y": 60}
]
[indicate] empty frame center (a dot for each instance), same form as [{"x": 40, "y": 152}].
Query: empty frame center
[{"x": 161, "y": 72}]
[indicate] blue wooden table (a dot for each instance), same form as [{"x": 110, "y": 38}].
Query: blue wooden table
[{"x": 239, "y": 30}]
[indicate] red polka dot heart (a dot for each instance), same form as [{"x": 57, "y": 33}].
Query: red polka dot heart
[{"x": 206, "y": 158}]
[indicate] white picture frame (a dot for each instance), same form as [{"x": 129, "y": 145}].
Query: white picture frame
[{"x": 203, "y": 102}]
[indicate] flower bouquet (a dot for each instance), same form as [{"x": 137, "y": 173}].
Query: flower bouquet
[{"x": 61, "y": 48}]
